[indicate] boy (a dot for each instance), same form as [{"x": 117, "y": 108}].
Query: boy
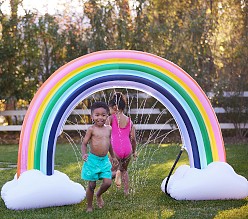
[{"x": 97, "y": 165}]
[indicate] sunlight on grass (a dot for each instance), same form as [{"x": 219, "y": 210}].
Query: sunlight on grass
[
  {"x": 241, "y": 212},
  {"x": 169, "y": 145},
  {"x": 165, "y": 214}
]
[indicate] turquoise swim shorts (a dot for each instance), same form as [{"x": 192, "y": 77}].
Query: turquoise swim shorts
[{"x": 96, "y": 168}]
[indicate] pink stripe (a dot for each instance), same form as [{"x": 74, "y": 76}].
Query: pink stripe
[
  {"x": 183, "y": 76},
  {"x": 104, "y": 55}
]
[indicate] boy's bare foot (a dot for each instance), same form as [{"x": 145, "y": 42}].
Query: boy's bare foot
[
  {"x": 118, "y": 178},
  {"x": 89, "y": 209},
  {"x": 99, "y": 201}
]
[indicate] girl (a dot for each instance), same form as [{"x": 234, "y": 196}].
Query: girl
[{"x": 123, "y": 140}]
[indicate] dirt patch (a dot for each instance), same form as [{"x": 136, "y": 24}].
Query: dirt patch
[{"x": 9, "y": 137}]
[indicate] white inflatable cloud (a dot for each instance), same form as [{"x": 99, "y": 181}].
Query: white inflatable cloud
[
  {"x": 217, "y": 181},
  {"x": 33, "y": 189}
]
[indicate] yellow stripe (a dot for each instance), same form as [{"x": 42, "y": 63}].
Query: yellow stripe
[{"x": 71, "y": 74}]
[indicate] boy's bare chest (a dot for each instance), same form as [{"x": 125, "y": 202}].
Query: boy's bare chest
[{"x": 101, "y": 134}]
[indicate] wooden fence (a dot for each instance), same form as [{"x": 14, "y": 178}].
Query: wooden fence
[{"x": 19, "y": 114}]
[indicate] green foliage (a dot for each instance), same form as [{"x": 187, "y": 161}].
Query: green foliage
[
  {"x": 208, "y": 39},
  {"x": 30, "y": 53},
  {"x": 146, "y": 199},
  {"x": 192, "y": 34},
  {"x": 10, "y": 46},
  {"x": 181, "y": 31},
  {"x": 231, "y": 58},
  {"x": 230, "y": 51}
]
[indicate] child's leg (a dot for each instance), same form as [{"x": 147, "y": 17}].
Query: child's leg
[
  {"x": 118, "y": 178},
  {"x": 114, "y": 168},
  {"x": 124, "y": 175},
  {"x": 89, "y": 195},
  {"x": 116, "y": 172},
  {"x": 125, "y": 180},
  {"x": 103, "y": 188}
]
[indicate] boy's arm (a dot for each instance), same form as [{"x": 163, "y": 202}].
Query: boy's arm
[
  {"x": 110, "y": 145},
  {"x": 111, "y": 152},
  {"x": 85, "y": 142}
]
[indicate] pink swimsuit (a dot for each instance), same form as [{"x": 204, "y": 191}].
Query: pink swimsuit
[{"x": 120, "y": 138}]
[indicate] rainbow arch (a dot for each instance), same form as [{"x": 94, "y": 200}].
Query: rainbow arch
[{"x": 78, "y": 79}]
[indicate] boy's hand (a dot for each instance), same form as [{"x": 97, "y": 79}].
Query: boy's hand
[
  {"x": 115, "y": 161},
  {"x": 135, "y": 155},
  {"x": 85, "y": 157}
]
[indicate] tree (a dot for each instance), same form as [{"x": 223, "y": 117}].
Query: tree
[
  {"x": 181, "y": 32},
  {"x": 10, "y": 46},
  {"x": 124, "y": 25},
  {"x": 231, "y": 58},
  {"x": 75, "y": 41},
  {"x": 141, "y": 22},
  {"x": 99, "y": 31},
  {"x": 51, "y": 45}
]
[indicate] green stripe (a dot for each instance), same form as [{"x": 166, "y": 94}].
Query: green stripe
[{"x": 115, "y": 66}]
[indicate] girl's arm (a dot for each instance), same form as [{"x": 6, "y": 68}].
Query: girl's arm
[
  {"x": 109, "y": 121},
  {"x": 133, "y": 140}
]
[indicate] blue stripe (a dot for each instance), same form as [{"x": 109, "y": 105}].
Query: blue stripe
[{"x": 77, "y": 92}]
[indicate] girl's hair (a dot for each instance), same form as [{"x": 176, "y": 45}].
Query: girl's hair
[
  {"x": 99, "y": 104},
  {"x": 118, "y": 100}
]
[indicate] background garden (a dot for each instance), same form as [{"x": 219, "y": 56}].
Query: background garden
[{"x": 206, "y": 38}]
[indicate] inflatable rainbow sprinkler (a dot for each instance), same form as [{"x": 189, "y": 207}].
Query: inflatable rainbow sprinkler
[
  {"x": 75, "y": 81},
  {"x": 80, "y": 78}
]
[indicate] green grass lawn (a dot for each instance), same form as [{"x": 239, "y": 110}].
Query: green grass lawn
[{"x": 146, "y": 199}]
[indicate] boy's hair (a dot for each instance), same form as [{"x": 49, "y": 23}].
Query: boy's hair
[
  {"x": 99, "y": 104},
  {"x": 119, "y": 100}
]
